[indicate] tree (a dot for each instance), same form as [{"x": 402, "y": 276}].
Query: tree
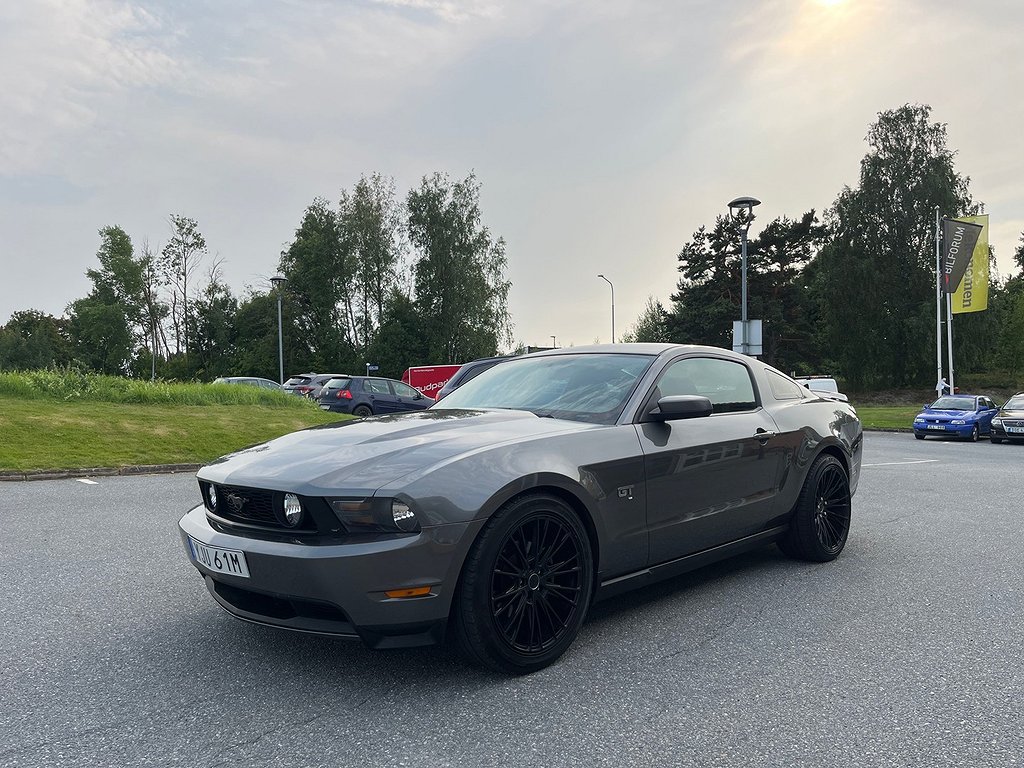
[
  {"x": 213, "y": 334},
  {"x": 371, "y": 226},
  {"x": 105, "y": 325},
  {"x": 875, "y": 280},
  {"x": 33, "y": 339},
  {"x": 320, "y": 271},
  {"x": 650, "y": 326},
  {"x": 178, "y": 261},
  {"x": 708, "y": 296},
  {"x": 461, "y": 293}
]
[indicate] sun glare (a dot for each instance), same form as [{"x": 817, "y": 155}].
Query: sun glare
[{"x": 830, "y": 3}]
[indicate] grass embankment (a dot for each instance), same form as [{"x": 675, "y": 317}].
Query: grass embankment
[
  {"x": 887, "y": 416},
  {"x": 67, "y": 420}
]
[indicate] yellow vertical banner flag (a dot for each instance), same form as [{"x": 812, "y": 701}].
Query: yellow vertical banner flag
[{"x": 972, "y": 295}]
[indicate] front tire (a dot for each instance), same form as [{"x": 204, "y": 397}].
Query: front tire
[
  {"x": 975, "y": 432},
  {"x": 821, "y": 518},
  {"x": 919, "y": 437},
  {"x": 525, "y": 587},
  {"x": 995, "y": 440}
]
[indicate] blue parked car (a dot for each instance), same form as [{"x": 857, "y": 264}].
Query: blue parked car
[{"x": 966, "y": 416}]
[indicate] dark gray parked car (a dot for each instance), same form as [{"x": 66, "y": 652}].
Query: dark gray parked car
[
  {"x": 501, "y": 513},
  {"x": 370, "y": 396}
]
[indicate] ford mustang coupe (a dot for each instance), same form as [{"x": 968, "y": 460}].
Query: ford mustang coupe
[{"x": 501, "y": 513}]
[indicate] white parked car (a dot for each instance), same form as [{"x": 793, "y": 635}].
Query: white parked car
[{"x": 823, "y": 385}]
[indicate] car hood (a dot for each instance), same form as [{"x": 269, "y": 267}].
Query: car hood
[
  {"x": 952, "y": 413},
  {"x": 360, "y": 456}
]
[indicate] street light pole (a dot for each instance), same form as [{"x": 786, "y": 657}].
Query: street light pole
[
  {"x": 278, "y": 281},
  {"x": 735, "y": 208},
  {"x": 552, "y": 342},
  {"x": 613, "y": 304}
]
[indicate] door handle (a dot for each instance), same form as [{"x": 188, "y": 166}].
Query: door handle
[{"x": 763, "y": 435}]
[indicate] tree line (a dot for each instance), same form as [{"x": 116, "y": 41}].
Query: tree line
[
  {"x": 852, "y": 295},
  {"x": 367, "y": 280},
  {"x": 375, "y": 279}
]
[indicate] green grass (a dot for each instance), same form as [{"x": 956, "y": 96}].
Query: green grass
[
  {"x": 887, "y": 416},
  {"x": 67, "y": 420},
  {"x": 64, "y": 419}
]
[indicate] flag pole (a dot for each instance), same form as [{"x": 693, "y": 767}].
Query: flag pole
[
  {"x": 949, "y": 339},
  {"x": 938, "y": 301}
]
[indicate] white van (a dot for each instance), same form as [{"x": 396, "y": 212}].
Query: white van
[{"x": 824, "y": 385}]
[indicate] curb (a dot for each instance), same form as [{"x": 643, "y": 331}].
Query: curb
[{"x": 66, "y": 474}]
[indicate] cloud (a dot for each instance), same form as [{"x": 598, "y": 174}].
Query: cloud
[{"x": 64, "y": 64}]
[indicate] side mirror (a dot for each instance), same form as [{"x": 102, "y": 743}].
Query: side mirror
[
  {"x": 418, "y": 396},
  {"x": 674, "y": 407}
]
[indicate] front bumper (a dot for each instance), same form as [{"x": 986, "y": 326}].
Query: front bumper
[
  {"x": 1001, "y": 431},
  {"x": 338, "y": 588},
  {"x": 947, "y": 430}
]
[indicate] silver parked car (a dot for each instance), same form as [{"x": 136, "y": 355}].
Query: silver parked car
[{"x": 503, "y": 511}]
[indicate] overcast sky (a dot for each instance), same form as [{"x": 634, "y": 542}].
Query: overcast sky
[{"x": 603, "y": 132}]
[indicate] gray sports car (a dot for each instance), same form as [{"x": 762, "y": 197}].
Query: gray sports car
[{"x": 501, "y": 513}]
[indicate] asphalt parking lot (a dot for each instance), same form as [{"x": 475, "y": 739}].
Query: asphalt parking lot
[{"x": 904, "y": 652}]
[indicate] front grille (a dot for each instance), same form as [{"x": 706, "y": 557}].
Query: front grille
[
  {"x": 247, "y": 505},
  {"x": 1013, "y": 422}
]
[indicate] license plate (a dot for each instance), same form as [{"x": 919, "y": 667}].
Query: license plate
[
  {"x": 936, "y": 426},
  {"x": 1016, "y": 430},
  {"x": 230, "y": 561},
  {"x": 325, "y": 407}
]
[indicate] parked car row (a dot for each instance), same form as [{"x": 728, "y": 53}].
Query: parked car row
[{"x": 971, "y": 416}]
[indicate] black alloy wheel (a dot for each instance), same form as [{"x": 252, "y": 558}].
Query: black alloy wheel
[
  {"x": 821, "y": 520},
  {"x": 526, "y": 586},
  {"x": 362, "y": 411}
]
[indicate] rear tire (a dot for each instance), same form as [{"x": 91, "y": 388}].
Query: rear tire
[
  {"x": 526, "y": 586},
  {"x": 821, "y": 519},
  {"x": 362, "y": 411}
]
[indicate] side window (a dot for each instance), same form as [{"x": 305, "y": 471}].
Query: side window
[
  {"x": 378, "y": 387},
  {"x": 404, "y": 390},
  {"x": 783, "y": 388},
  {"x": 725, "y": 383}
]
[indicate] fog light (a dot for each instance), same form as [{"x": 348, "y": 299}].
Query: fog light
[
  {"x": 292, "y": 509},
  {"x": 405, "y": 518},
  {"x": 211, "y": 494}
]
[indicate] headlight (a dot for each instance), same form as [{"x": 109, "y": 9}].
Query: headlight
[
  {"x": 958, "y": 421},
  {"x": 997, "y": 422},
  {"x": 375, "y": 515},
  {"x": 292, "y": 509}
]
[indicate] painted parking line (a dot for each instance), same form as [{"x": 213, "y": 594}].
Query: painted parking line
[
  {"x": 86, "y": 481},
  {"x": 896, "y": 463}
]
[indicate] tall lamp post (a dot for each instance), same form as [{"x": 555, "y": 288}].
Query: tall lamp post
[
  {"x": 613, "y": 304},
  {"x": 278, "y": 282},
  {"x": 736, "y": 211}
]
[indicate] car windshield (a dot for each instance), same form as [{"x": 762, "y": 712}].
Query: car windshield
[
  {"x": 1015, "y": 403},
  {"x": 580, "y": 387},
  {"x": 338, "y": 383},
  {"x": 954, "y": 404},
  {"x": 297, "y": 380}
]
